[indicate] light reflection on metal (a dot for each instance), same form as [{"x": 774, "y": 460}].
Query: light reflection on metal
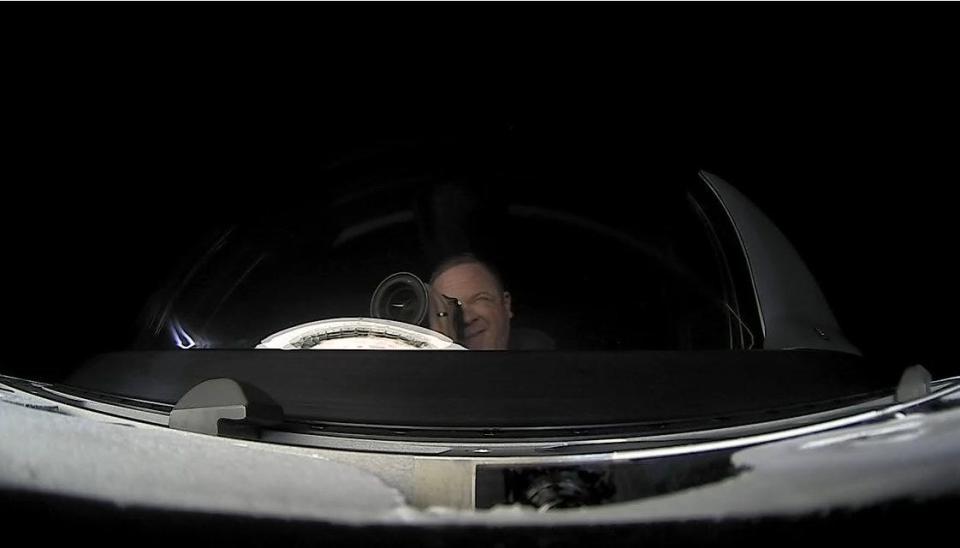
[
  {"x": 180, "y": 337},
  {"x": 172, "y": 298}
]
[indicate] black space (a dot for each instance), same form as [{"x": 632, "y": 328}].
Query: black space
[
  {"x": 105, "y": 194},
  {"x": 120, "y": 152},
  {"x": 127, "y": 132}
]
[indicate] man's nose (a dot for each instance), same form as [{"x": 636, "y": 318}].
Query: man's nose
[{"x": 469, "y": 314}]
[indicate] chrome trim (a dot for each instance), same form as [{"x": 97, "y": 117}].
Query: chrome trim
[
  {"x": 539, "y": 452},
  {"x": 473, "y": 452},
  {"x": 152, "y": 417},
  {"x": 546, "y": 448}
]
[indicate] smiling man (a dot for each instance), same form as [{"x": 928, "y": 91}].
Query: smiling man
[{"x": 486, "y": 306}]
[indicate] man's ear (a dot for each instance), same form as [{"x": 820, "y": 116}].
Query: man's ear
[{"x": 507, "y": 304}]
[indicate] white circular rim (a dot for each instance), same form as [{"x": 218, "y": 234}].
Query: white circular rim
[{"x": 383, "y": 334}]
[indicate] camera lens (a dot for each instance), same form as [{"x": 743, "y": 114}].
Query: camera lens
[{"x": 400, "y": 297}]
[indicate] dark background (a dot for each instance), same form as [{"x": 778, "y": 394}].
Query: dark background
[
  {"x": 126, "y": 131},
  {"x": 95, "y": 223},
  {"x": 119, "y": 154}
]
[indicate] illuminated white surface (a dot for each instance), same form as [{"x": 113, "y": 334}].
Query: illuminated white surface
[
  {"x": 359, "y": 334},
  {"x": 51, "y": 447}
]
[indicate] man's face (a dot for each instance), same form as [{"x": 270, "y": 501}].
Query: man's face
[{"x": 486, "y": 311}]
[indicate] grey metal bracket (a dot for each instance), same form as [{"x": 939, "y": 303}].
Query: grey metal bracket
[
  {"x": 914, "y": 384},
  {"x": 225, "y": 407}
]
